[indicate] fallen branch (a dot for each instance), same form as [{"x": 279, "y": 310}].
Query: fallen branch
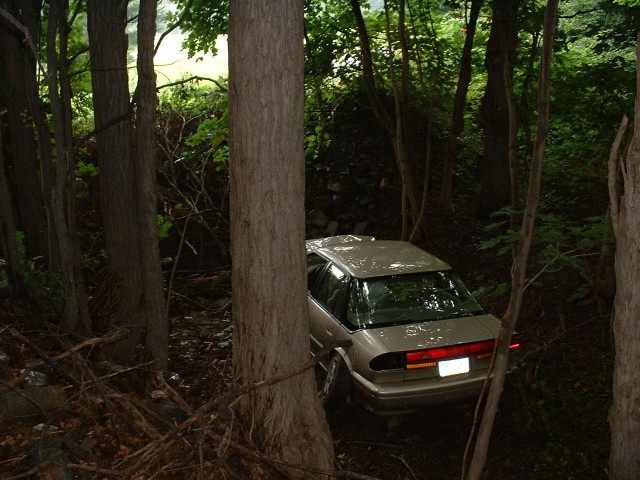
[
  {"x": 26, "y": 474},
  {"x": 98, "y": 385},
  {"x": 122, "y": 371},
  {"x": 288, "y": 465},
  {"x": 173, "y": 395},
  {"x": 43, "y": 355},
  {"x": 404, "y": 462},
  {"x": 91, "y": 342},
  {"x": 152, "y": 452}
]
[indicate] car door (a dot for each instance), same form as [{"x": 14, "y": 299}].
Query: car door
[{"x": 326, "y": 306}]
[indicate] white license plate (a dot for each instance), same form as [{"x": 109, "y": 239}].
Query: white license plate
[{"x": 457, "y": 366}]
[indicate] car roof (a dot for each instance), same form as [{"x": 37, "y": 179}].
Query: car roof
[
  {"x": 365, "y": 258},
  {"x": 335, "y": 240}
]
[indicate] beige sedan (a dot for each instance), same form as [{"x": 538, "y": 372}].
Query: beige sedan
[{"x": 417, "y": 336}]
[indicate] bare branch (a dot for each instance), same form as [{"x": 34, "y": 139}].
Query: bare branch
[
  {"x": 173, "y": 27},
  {"x": 579, "y": 13},
  {"x": 27, "y": 36},
  {"x": 191, "y": 79}
]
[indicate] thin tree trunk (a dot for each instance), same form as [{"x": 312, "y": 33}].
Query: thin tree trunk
[
  {"x": 513, "y": 143},
  {"x": 459, "y": 103},
  {"x": 494, "y": 169},
  {"x": 8, "y": 232},
  {"x": 500, "y": 362},
  {"x": 379, "y": 109},
  {"x": 157, "y": 338},
  {"x": 624, "y": 415},
  {"x": 395, "y": 129},
  {"x": 528, "y": 78},
  {"x": 70, "y": 200},
  {"x": 420, "y": 224},
  {"x": 47, "y": 170},
  {"x": 399, "y": 136},
  {"x": 17, "y": 64},
  {"x": 41, "y": 130},
  {"x": 74, "y": 312},
  {"x": 271, "y": 332}
]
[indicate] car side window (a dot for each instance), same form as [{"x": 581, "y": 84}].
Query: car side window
[
  {"x": 315, "y": 264},
  {"x": 330, "y": 289}
]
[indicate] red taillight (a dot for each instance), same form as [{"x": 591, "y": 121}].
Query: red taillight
[
  {"x": 430, "y": 357},
  {"x": 481, "y": 350},
  {"x": 442, "y": 353}
]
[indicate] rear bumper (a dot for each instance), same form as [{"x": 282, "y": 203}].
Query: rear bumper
[{"x": 410, "y": 396}]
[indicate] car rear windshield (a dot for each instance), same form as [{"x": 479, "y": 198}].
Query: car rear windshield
[{"x": 401, "y": 299}]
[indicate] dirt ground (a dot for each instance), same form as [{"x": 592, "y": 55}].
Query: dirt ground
[{"x": 552, "y": 422}]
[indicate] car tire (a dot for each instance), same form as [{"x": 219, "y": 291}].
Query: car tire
[{"x": 336, "y": 385}]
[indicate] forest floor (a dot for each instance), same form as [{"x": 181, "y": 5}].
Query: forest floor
[{"x": 551, "y": 424}]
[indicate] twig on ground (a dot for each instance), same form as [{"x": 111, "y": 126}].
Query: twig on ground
[
  {"x": 86, "y": 467},
  {"x": 43, "y": 355},
  {"x": 148, "y": 455},
  {"x": 278, "y": 464},
  {"x": 404, "y": 462},
  {"x": 122, "y": 371},
  {"x": 135, "y": 415},
  {"x": 91, "y": 342},
  {"x": 173, "y": 395},
  {"x": 27, "y": 399},
  {"x": 13, "y": 460},
  {"x": 98, "y": 385},
  {"x": 26, "y": 474}
]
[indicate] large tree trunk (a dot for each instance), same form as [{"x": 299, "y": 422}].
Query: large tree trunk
[
  {"x": 157, "y": 338},
  {"x": 624, "y": 416},
  {"x": 17, "y": 64},
  {"x": 131, "y": 294},
  {"x": 118, "y": 301},
  {"x": 271, "y": 331},
  {"x": 519, "y": 270},
  {"x": 495, "y": 191}
]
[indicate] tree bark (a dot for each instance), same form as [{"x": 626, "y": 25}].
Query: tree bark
[
  {"x": 119, "y": 300},
  {"x": 157, "y": 338},
  {"x": 8, "y": 232},
  {"x": 396, "y": 129},
  {"x": 401, "y": 111},
  {"x": 131, "y": 294},
  {"x": 17, "y": 64},
  {"x": 513, "y": 145},
  {"x": 75, "y": 314},
  {"x": 519, "y": 270},
  {"x": 624, "y": 415},
  {"x": 271, "y": 331},
  {"x": 459, "y": 103},
  {"x": 528, "y": 78},
  {"x": 495, "y": 191}
]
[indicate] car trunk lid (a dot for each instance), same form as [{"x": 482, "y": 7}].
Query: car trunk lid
[{"x": 437, "y": 333}]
